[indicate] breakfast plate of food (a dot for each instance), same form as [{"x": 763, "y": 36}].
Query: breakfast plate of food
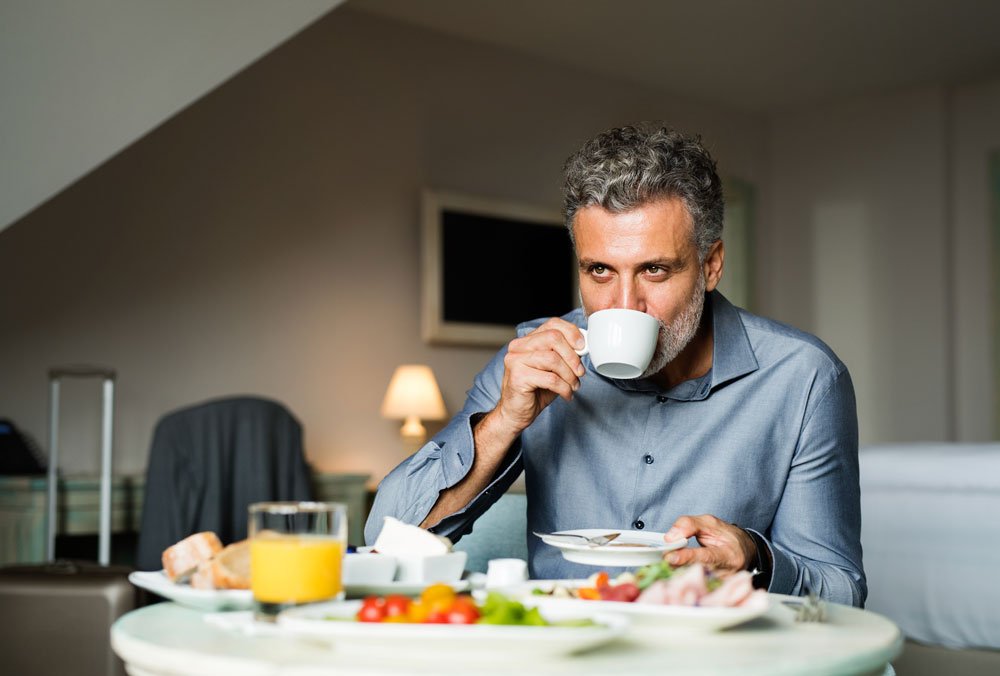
[
  {"x": 689, "y": 597},
  {"x": 199, "y": 572},
  {"x": 441, "y": 622},
  {"x": 627, "y": 548}
]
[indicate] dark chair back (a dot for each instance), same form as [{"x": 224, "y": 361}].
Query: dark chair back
[{"x": 209, "y": 461}]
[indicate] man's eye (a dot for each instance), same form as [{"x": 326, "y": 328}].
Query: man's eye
[
  {"x": 653, "y": 269},
  {"x": 598, "y": 269}
]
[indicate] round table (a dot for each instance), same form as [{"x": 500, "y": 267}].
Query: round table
[{"x": 170, "y": 639}]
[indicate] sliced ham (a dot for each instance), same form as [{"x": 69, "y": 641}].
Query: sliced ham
[
  {"x": 732, "y": 592},
  {"x": 685, "y": 588}
]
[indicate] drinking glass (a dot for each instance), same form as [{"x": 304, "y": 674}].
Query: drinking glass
[{"x": 296, "y": 551}]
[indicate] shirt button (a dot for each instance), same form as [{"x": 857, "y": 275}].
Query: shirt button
[
  {"x": 648, "y": 459},
  {"x": 638, "y": 525},
  {"x": 660, "y": 398}
]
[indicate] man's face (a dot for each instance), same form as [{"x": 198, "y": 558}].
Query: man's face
[{"x": 646, "y": 260}]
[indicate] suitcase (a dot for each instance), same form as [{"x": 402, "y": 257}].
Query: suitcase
[{"x": 58, "y": 615}]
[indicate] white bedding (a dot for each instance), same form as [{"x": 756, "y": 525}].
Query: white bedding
[{"x": 931, "y": 536}]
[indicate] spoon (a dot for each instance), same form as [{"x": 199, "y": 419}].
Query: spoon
[{"x": 595, "y": 541}]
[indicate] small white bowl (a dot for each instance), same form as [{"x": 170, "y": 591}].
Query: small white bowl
[
  {"x": 368, "y": 569},
  {"x": 427, "y": 569}
]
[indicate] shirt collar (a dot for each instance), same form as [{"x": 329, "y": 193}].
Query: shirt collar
[{"x": 732, "y": 356}]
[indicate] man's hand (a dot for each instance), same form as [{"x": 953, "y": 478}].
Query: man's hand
[
  {"x": 724, "y": 547},
  {"x": 537, "y": 368}
]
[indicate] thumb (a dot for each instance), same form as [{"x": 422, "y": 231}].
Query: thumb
[{"x": 682, "y": 557}]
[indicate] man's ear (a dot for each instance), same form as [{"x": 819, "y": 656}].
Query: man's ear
[{"x": 712, "y": 266}]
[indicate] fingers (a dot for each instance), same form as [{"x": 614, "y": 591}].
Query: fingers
[
  {"x": 547, "y": 351},
  {"x": 707, "y": 556},
  {"x": 556, "y": 335},
  {"x": 724, "y": 546},
  {"x": 540, "y": 371},
  {"x": 537, "y": 368},
  {"x": 684, "y": 527}
]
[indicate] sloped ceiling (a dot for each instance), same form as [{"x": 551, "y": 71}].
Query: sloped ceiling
[{"x": 79, "y": 81}]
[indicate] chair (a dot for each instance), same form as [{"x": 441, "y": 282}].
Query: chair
[
  {"x": 500, "y": 533},
  {"x": 208, "y": 462}
]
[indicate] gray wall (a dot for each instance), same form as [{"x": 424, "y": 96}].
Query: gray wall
[
  {"x": 880, "y": 243},
  {"x": 265, "y": 240}
]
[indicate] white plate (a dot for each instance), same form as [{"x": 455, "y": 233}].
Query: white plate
[
  {"x": 437, "y": 640},
  {"x": 646, "y": 547},
  {"x": 242, "y": 599},
  {"x": 186, "y": 595},
  {"x": 686, "y": 617}
]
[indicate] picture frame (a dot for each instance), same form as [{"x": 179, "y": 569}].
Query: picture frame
[{"x": 489, "y": 264}]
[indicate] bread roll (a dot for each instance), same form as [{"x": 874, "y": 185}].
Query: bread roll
[
  {"x": 231, "y": 566},
  {"x": 182, "y": 559}
]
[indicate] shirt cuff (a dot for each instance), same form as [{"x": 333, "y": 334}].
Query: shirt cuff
[{"x": 764, "y": 563}]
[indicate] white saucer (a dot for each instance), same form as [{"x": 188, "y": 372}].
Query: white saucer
[{"x": 631, "y": 548}]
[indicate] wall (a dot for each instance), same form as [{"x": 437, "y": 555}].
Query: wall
[
  {"x": 975, "y": 133},
  {"x": 265, "y": 240},
  {"x": 880, "y": 244}
]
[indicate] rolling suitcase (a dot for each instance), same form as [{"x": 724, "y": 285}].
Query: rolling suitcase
[{"x": 59, "y": 614}]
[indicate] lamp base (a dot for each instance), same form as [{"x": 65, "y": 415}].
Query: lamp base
[{"x": 412, "y": 430}]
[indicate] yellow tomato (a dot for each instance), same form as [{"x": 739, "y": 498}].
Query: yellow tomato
[
  {"x": 438, "y": 592},
  {"x": 418, "y": 611}
]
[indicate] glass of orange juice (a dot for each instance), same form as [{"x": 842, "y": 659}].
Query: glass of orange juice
[{"x": 296, "y": 549}]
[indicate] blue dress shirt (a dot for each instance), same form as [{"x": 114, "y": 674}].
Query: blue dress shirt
[{"x": 767, "y": 440}]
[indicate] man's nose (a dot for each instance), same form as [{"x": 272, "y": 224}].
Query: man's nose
[{"x": 630, "y": 297}]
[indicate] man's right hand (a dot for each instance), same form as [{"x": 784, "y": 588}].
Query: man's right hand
[{"x": 537, "y": 368}]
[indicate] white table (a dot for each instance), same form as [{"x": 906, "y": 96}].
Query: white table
[{"x": 169, "y": 639}]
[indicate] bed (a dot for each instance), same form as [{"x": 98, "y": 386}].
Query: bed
[{"x": 931, "y": 537}]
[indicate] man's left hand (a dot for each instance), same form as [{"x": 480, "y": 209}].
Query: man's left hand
[{"x": 724, "y": 547}]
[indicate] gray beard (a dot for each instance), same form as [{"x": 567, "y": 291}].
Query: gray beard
[{"x": 676, "y": 336}]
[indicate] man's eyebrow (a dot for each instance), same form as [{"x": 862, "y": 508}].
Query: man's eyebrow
[{"x": 669, "y": 264}]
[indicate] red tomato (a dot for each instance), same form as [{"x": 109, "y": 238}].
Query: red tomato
[
  {"x": 372, "y": 610},
  {"x": 437, "y": 617},
  {"x": 462, "y": 613},
  {"x": 396, "y": 605}
]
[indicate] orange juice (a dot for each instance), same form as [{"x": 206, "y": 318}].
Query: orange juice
[{"x": 295, "y": 568}]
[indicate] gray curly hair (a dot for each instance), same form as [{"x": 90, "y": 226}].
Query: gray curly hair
[{"x": 624, "y": 168}]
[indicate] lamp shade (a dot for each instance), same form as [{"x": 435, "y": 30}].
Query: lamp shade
[{"x": 413, "y": 392}]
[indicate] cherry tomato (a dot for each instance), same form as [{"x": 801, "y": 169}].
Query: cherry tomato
[
  {"x": 372, "y": 610},
  {"x": 437, "y": 617},
  {"x": 396, "y": 605},
  {"x": 463, "y": 613},
  {"x": 418, "y": 611},
  {"x": 438, "y": 591}
]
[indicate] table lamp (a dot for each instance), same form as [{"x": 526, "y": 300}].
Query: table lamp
[{"x": 413, "y": 394}]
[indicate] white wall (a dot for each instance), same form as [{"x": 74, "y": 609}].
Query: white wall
[
  {"x": 81, "y": 80},
  {"x": 880, "y": 244},
  {"x": 975, "y": 133},
  {"x": 265, "y": 240}
]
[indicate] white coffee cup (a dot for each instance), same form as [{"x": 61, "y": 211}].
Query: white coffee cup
[{"x": 620, "y": 342}]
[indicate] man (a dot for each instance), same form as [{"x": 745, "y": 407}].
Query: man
[{"x": 742, "y": 433}]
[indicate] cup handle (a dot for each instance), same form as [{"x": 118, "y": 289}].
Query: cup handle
[{"x": 586, "y": 347}]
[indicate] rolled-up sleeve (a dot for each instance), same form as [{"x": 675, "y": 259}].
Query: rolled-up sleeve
[
  {"x": 815, "y": 535},
  {"x": 410, "y": 490}
]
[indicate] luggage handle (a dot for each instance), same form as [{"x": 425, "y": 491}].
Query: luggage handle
[{"x": 107, "y": 412}]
